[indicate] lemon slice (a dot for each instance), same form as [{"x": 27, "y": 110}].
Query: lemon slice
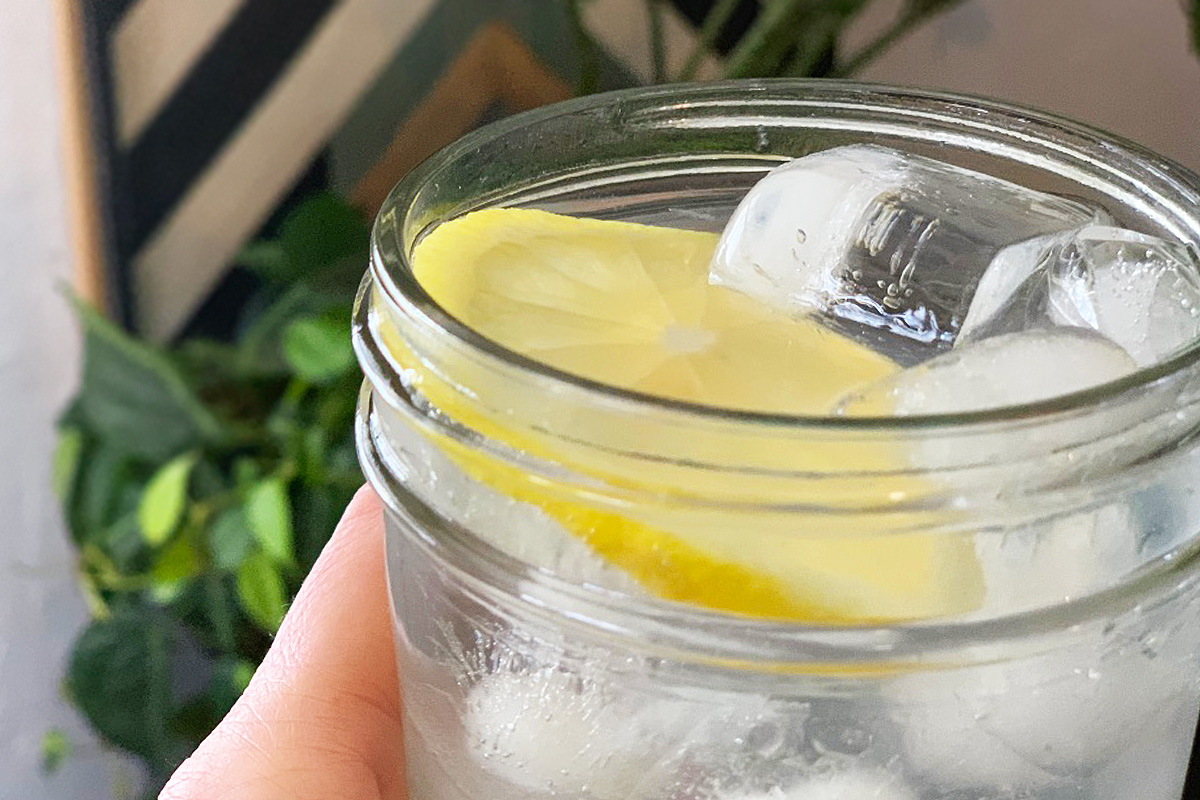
[{"x": 631, "y": 306}]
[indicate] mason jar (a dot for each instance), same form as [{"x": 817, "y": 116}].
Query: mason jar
[{"x": 1066, "y": 668}]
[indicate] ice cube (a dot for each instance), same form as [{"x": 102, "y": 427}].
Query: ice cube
[
  {"x": 1013, "y": 293},
  {"x": 890, "y": 245},
  {"x": 1154, "y": 765},
  {"x": 1022, "y": 725},
  {"x": 1140, "y": 291},
  {"x": 1069, "y": 718},
  {"x": 943, "y": 742},
  {"x": 851, "y": 784},
  {"x": 552, "y": 731},
  {"x": 1088, "y": 703},
  {"x": 1011, "y": 369},
  {"x": 1048, "y": 558},
  {"x": 1039, "y": 565}
]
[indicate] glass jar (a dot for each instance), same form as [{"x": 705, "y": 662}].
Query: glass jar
[{"x": 531, "y": 668}]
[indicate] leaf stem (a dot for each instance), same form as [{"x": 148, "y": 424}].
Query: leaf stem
[
  {"x": 1194, "y": 19},
  {"x": 92, "y": 596},
  {"x": 758, "y": 52},
  {"x": 814, "y": 52},
  {"x": 101, "y": 574},
  {"x": 588, "y": 80},
  {"x": 714, "y": 22},
  {"x": 658, "y": 45},
  {"x": 871, "y": 51}
]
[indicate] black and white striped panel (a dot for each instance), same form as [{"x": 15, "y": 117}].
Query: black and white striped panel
[{"x": 209, "y": 111}]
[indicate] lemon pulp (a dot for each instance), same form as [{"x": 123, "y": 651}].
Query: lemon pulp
[{"x": 632, "y": 306}]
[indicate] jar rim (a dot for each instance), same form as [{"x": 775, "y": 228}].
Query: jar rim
[
  {"x": 1094, "y": 147},
  {"x": 1135, "y": 175},
  {"x": 685, "y": 633}
]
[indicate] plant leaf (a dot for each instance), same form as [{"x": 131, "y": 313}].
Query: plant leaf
[
  {"x": 242, "y": 674},
  {"x": 318, "y": 349},
  {"x": 321, "y": 231},
  {"x": 118, "y": 678},
  {"x": 230, "y": 678},
  {"x": 929, "y": 7},
  {"x": 230, "y": 539},
  {"x": 260, "y": 347},
  {"x": 765, "y": 46},
  {"x": 313, "y": 455},
  {"x": 125, "y": 545},
  {"x": 218, "y": 606},
  {"x": 56, "y": 748},
  {"x": 214, "y": 369},
  {"x": 658, "y": 45},
  {"x": 163, "y": 500},
  {"x": 193, "y": 722},
  {"x": 266, "y": 258},
  {"x": 341, "y": 465},
  {"x": 134, "y": 398},
  {"x": 246, "y": 471},
  {"x": 718, "y": 16},
  {"x": 178, "y": 563},
  {"x": 261, "y": 592},
  {"x": 66, "y": 462},
  {"x": 196, "y": 719},
  {"x": 106, "y": 477},
  {"x": 915, "y": 12},
  {"x": 269, "y": 515},
  {"x": 208, "y": 479},
  {"x": 317, "y": 511},
  {"x": 586, "y": 50}
]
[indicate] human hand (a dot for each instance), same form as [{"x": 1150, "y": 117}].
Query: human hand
[{"x": 321, "y": 718}]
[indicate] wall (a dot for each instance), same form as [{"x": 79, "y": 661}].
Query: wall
[
  {"x": 1123, "y": 65},
  {"x": 40, "y": 610}
]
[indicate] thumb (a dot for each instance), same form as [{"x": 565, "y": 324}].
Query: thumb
[{"x": 321, "y": 718}]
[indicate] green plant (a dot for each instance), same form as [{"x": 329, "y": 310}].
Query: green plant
[
  {"x": 200, "y": 480},
  {"x": 788, "y": 38}
]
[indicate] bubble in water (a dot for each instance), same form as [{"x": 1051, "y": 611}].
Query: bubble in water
[
  {"x": 830, "y": 736},
  {"x": 765, "y": 739}
]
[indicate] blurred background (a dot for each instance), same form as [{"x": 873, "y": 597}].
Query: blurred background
[{"x": 199, "y": 176}]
